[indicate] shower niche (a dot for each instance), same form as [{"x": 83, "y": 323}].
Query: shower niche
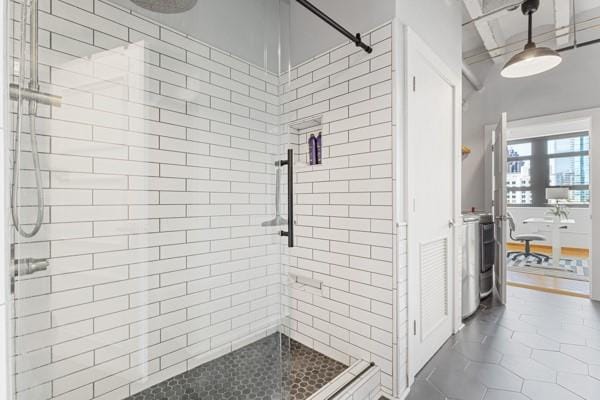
[{"x": 308, "y": 139}]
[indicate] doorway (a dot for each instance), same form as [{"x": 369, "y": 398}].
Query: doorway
[{"x": 548, "y": 184}]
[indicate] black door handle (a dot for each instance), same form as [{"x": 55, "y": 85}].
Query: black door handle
[{"x": 290, "y": 167}]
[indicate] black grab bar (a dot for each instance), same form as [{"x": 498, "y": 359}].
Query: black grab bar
[{"x": 290, "y": 175}]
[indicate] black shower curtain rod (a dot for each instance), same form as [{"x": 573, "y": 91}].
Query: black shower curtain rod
[{"x": 354, "y": 38}]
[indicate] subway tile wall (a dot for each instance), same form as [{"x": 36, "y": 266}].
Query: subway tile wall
[
  {"x": 157, "y": 174},
  {"x": 344, "y": 207},
  {"x": 157, "y": 171}
]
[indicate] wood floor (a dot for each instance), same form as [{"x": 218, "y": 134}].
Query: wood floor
[
  {"x": 565, "y": 251},
  {"x": 549, "y": 283}
]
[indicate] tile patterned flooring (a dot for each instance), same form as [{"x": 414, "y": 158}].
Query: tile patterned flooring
[
  {"x": 540, "y": 346},
  {"x": 253, "y": 372}
]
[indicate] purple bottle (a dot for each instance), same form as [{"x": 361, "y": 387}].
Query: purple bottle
[
  {"x": 312, "y": 149},
  {"x": 319, "y": 160}
]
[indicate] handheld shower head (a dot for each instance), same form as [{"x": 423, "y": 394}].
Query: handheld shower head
[
  {"x": 278, "y": 220},
  {"x": 166, "y": 6}
]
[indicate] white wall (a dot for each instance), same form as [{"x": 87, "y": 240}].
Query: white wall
[
  {"x": 245, "y": 28},
  {"x": 573, "y": 85},
  {"x": 438, "y": 23}
]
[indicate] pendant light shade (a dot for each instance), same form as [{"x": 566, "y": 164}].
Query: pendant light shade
[{"x": 532, "y": 60}]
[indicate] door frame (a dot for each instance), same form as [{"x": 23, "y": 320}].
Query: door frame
[
  {"x": 6, "y": 366},
  {"x": 591, "y": 119},
  {"x": 413, "y": 44},
  {"x": 500, "y": 208}
]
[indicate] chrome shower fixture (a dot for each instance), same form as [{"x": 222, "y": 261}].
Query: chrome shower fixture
[
  {"x": 30, "y": 94},
  {"x": 278, "y": 220},
  {"x": 166, "y": 6}
]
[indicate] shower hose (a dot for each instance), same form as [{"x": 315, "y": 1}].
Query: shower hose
[{"x": 16, "y": 164}]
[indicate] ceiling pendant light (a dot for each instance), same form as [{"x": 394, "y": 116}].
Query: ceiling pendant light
[{"x": 532, "y": 60}]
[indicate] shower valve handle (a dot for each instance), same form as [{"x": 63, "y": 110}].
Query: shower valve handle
[{"x": 28, "y": 266}]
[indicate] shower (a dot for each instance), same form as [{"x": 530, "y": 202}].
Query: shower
[
  {"x": 166, "y": 6},
  {"x": 32, "y": 96},
  {"x": 166, "y": 239}
]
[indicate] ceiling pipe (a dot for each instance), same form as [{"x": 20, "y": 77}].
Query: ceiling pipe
[
  {"x": 471, "y": 77},
  {"x": 500, "y": 11},
  {"x": 578, "y": 45}
]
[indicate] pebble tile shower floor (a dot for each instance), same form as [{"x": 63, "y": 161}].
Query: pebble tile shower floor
[{"x": 252, "y": 372}]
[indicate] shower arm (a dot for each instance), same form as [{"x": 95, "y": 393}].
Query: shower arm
[
  {"x": 32, "y": 94},
  {"x": 356, "y": 39}
]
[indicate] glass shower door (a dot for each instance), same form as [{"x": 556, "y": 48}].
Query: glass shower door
[{"x": 139, "y": 259}]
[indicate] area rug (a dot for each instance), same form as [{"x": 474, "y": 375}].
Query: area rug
[{"x": 577, "y": 269}]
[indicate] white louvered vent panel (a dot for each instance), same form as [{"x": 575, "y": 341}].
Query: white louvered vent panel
[{"x": 434, "y": 284}]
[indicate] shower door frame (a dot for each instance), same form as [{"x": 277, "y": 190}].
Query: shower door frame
[{"x": 5, "y": 296}]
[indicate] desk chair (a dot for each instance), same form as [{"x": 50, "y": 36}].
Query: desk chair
[{"x": 526, "y": 238}]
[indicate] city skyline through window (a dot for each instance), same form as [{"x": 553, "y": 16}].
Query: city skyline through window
[{"x": 551, "y": 161}]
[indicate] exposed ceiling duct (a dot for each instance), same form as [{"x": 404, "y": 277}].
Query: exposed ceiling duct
[
  {"x": 488, "y": 14},
  {"x": 489, "y": 6}
]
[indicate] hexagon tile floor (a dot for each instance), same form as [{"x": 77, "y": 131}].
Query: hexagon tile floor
[
  {"x": 252, "y": 372},
  {"x": 540, "y": 346}
]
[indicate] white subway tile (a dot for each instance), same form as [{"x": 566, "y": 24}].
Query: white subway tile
[
  {"x": 49, "y": 337},
  {"x": 156, "y": 267},
  {"x": 69, "y": 180},
  {"x": 62, "y": 248},
  {"x": 90, "y": 310},
  {"x": 184, "y": 42},
  {"x": 89, "y": 375},
  {"x": 126, "y": 317},
  {"x": 88, "y": 343}
]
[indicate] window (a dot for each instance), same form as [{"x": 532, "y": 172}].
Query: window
[{"x": 551, "y": 161}]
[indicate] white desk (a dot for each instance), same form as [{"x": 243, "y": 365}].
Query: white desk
[{"x": 555, "y": 225}]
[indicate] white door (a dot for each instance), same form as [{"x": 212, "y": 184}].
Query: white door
[
  {"x": 500, "y": 160},
  {"x": 430, "y": 205}
]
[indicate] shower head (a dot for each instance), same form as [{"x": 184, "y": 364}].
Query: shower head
[{"x": 166, "y": 6}]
